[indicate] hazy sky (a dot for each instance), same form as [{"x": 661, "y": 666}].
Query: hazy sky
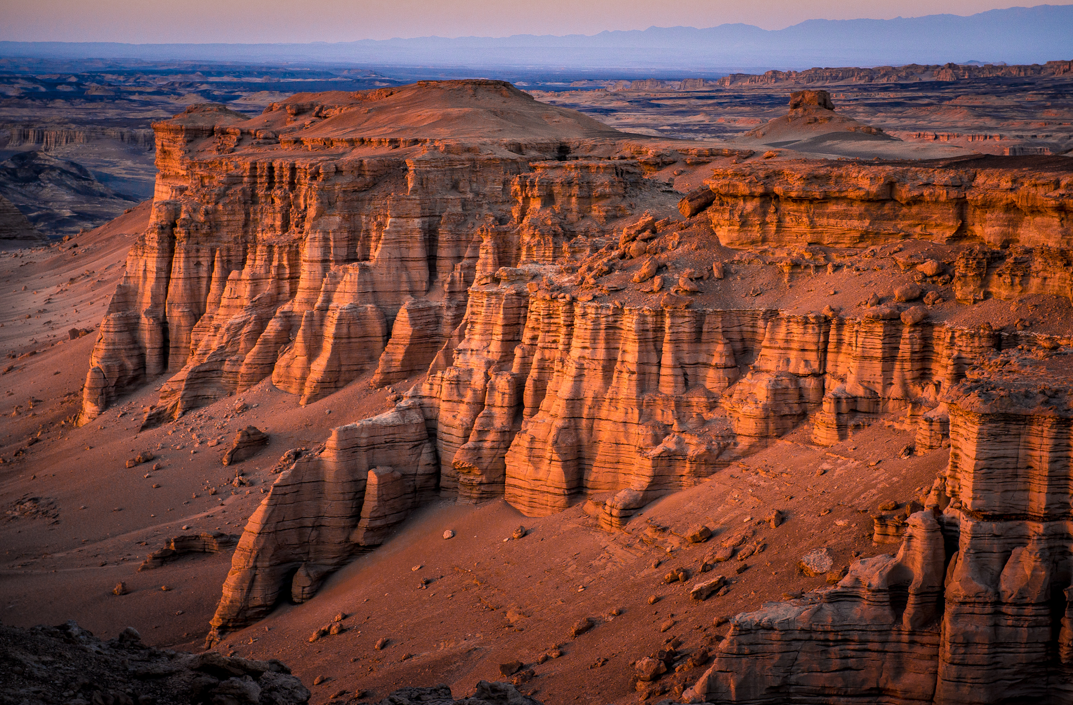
[{"x": 156, "y": 21}]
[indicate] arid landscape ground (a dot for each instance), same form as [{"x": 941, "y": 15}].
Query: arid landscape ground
[{"x": 602, "y": 394}]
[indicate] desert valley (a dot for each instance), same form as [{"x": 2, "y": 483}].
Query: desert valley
[{"x": 341, "y": 385}]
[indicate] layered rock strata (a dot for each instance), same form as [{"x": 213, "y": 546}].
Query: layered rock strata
[
  {"x": 975, "y": 607},
  {"x": 546, "y": 400},
  {"x": 303, "y": 246}
]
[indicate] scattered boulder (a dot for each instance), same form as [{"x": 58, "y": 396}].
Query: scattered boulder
[
  {"x": 649, "y": 669},
  {"x": 449, "y": 534},
  {"x": 930, "y": 268},
  {"x": 678, "y": 575},
  {"x": 139, "y": 459},
  {"x": 908, "y": 292},
  {"x": 932, "y": 298},
  {"x": 706, "y": 589},
  {"x": 699, "y": 534},
  {"x": 648, "y": 270},
  {"x": 581, "y": 626},
  {"x": 120, "y": 589},
  {"x": 186, "y": 544},
  {"x": 510, "y": 668},
  {"x": 816, "y": 562},
  {"x": 696, "y": 202},
  {"x": 775, "y": 519},
  {"x": 718, "y": 271},
  {"x": 247, "y": 443},
  {"x": 914, "y": 316}
]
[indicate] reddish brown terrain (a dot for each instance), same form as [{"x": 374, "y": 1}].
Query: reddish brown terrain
[{"x": 439, "y": 384}]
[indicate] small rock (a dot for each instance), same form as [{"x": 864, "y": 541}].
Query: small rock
[
  {"x": 816, "y": 562},
  {"x": 908, "y": 292},
  {"x": 932, "y": 298},
  {"x": 930, "y": 268},
  {"x": 321, "y": 632},
  {"x": 914, "y": 315},
  {"x": 509, "y": 669},
  {"x": 381, "y": 644},
  {"x": 120, "y": 589},
  {"x": 449, "y": 534},
  {"x": 319, "y": 679},
  {"x": 336, "y": 628},
  {"x": 653, "y": 599},
  {"x": 705, "y": 590},
  {"x": 699, "y": 534},
  {"x": 649, "y": 669},
  {"x": 581, "y": 626},
  {"x": 667, "y": 625},
  {"x": 775, "y": 519},
  {"x": 518, "y": 533}
]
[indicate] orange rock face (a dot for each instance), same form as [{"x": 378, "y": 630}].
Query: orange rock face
[
  {"x": 936, "y": 622},
  {"x": 565, "y": 333}
]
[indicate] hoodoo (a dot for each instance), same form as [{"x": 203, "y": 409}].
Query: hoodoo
[{"x": 565, "y": 329}]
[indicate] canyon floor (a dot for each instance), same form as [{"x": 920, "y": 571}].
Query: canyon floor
[{"x": 506, "y": 596}]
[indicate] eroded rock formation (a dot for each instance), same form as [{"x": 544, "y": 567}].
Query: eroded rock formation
[
  {"x": 974, "y": 608},
  {"x": 565, "y": 333}
]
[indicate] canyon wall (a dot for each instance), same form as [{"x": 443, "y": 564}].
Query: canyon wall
[
  {"x": 566, "y": 334},
  {"x": 975, "y": 607}
]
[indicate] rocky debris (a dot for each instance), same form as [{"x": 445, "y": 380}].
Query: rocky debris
[
  {"x": 485, "y": 693},
  {"x": 67, "y": 664},
  {"x": 816, "y": 562},
  {"x": 704, "y": 590},
  {"x": 648, "y": 270},
  {"x": 678, "y": 575},
  {"x": 143, "y": 457},
  {"x": 179, "y": 546},
  {"x": 943, "y": 606},
  {"x": 248, "y": 442}
]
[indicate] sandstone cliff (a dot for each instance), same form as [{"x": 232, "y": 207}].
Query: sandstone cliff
[
  {"x": 975, "y": 607},
  {"x": 565, "y": 334}
]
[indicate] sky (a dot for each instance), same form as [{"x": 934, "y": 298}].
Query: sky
[{"x": 247, "y": 21}]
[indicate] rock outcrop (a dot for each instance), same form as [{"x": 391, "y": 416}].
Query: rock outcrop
[
  {"x": 67, "y": 664},
  {"x": 291, "y": 245},
  {"x": 843, "y": 205},
  {"x": 974, "y": 608}
]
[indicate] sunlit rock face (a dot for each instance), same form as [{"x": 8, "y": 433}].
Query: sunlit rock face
[
  {"x": 974, "y": 608},
  {"x": 521, "y": 269}
]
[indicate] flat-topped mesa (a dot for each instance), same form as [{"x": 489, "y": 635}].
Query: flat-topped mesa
[
  {"x": 811, "y": 118},
  {"x": 1018, "y": 218},
  {"x": 285, "y": 245},
  {"x": 976, "y": 608}
]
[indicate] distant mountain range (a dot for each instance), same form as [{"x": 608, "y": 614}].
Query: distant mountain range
[{"x": 1016, "y": 35}]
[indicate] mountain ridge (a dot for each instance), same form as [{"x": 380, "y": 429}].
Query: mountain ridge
[{"x": 1012, "y": 35}]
